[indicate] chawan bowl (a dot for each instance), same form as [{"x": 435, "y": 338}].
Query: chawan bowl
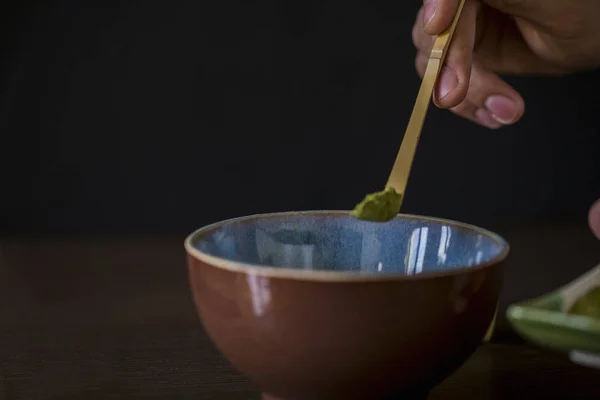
[{"x": 319, "y": 305}]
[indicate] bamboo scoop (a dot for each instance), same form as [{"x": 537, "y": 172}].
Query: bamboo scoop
[{"x": 385, "y": 205}]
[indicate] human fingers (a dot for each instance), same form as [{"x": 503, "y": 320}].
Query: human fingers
[
  {"x": 438, "y": 15},
  {"x": 466, "y": 109},
  {"x": 497, "y": 103},
  {"x": 500, "y": 45},
  {"x": 452, "y": 82},
  {"x": 490, "y": 101},
  {"x": 421, "y": 40},
  {"x": 594, "y": 219},
  {"x": 533, "y": 10}
]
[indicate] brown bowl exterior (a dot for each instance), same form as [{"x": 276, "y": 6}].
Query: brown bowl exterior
[{"x": 310, "y": 339}]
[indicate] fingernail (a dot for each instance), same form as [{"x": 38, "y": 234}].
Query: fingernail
[
  {"x": 485, "y": 118},
  {"x": 429, "y": 8},
  {"x": 502, "y": 109},
  {"x": 448, "y": 82}
]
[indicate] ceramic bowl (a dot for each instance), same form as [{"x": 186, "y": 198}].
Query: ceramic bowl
[
  {"x": 546, "y": 321},
  {"x": 319, "y": 305}
]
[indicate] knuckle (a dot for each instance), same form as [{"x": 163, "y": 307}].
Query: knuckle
[
  {"x": 415, "y": 35},
  {"x": 418, "y": 67},
  {"x": 460, "y": 52},
  {"x": 421, "y": 62},
  {"x": 463, "y": 109}
]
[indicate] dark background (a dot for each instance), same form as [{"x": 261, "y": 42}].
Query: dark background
[
  {"x": 158, "y": 117},
  {"x": 155, "y": 117}
]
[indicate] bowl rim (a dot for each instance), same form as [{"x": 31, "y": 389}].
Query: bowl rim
[{"x": 335, "y": 276}]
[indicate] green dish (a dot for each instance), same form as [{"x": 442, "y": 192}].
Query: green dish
[{"x": 546, "y": 322}]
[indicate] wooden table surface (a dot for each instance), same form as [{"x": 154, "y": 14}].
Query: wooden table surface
[{"x": 97, "y": 318}]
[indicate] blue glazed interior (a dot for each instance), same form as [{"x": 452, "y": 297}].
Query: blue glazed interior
[{"x": 338, "y": 242}]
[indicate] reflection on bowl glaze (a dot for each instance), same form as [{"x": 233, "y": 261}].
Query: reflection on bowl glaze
[
  {"x": 331, "y": 242},
  {"x": 320, "y": 305}
]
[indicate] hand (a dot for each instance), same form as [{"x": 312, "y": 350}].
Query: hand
[{"x": 521, "y": 37}]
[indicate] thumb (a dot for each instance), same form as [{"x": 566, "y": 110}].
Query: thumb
[{"x": 594, "y": 219}]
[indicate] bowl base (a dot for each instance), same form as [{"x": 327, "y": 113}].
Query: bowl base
[{"x": 410, "y": 396}]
